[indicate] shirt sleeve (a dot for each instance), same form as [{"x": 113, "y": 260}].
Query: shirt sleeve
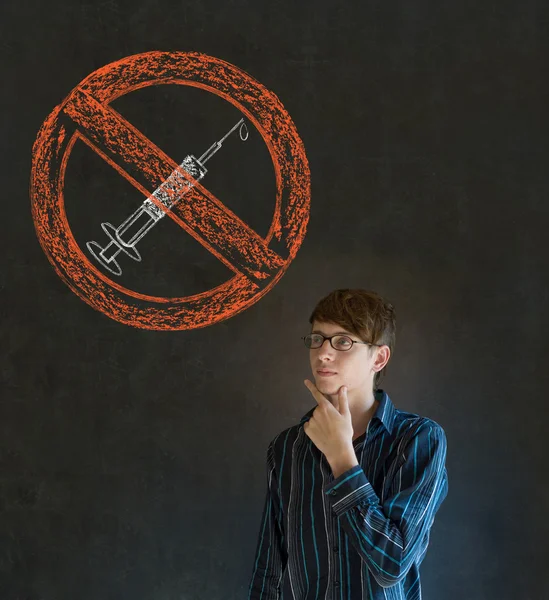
[
  {"x": 392, "y": 535},
  {"x": 270, "y": 557}
]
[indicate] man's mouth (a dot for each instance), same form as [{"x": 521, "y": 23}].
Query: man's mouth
[{"x": 323, "y": 373}]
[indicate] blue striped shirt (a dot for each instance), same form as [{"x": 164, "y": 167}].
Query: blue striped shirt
[{"x": 362, "y": 535}]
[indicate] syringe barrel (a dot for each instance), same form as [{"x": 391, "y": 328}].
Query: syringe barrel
[
  {"x": 169, "y": 193},
  {"x": 176, "y": 185},
  {"x": 136, "y": 226}
]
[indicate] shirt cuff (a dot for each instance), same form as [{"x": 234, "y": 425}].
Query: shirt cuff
[{"x": 350, "y": 489}]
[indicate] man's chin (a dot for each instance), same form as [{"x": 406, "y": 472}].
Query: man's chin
[{"x": 327, "y": 388}]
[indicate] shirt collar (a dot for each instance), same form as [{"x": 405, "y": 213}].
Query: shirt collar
[{"x": 385, "y": 411}]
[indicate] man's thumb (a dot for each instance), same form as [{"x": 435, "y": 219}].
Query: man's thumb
[{"x": 343, "y": 400}]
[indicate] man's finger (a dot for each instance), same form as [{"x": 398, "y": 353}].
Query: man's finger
[
  {"x": 343, "y": 400},
  {"x": 317, "y": 394}
]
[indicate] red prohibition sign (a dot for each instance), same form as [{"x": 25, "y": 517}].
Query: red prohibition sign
[{"x": 85, "y": 114}]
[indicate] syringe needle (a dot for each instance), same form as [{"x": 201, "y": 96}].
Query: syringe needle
[
  {"x": 216, "y": 145},
  {"x": 229, "y": 133}
]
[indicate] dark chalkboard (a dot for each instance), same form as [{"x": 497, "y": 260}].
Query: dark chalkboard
[{"x": 132, "y": 461}]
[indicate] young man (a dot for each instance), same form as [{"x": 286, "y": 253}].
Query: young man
[{"x": 353, "y": 489}]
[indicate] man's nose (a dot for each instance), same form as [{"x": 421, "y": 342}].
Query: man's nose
[{"x": 326, "y": 349}]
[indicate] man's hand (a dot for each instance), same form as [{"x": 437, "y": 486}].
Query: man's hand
[{"x": 331, "y": 429}]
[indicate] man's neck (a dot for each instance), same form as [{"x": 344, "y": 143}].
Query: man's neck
[{"x": 362, "y": 409}]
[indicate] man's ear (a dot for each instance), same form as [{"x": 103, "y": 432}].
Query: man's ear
[{"x": 382, "y": 358}]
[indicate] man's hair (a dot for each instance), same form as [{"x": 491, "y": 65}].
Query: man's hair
[{"x": 364, "y": 313}]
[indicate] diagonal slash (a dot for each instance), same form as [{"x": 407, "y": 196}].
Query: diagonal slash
[{"x": 197, "y": 211}]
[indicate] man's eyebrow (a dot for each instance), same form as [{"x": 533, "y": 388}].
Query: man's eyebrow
[{"x": 336, "y": 333}]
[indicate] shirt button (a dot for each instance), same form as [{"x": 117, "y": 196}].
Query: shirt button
[
  {"x": 336, "y": 549},
  {"x": 333, "y": 492},
  {"x": 336, "y": 583}
]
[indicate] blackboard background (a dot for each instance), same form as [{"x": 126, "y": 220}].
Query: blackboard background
[{"x": 132, "y": 461}]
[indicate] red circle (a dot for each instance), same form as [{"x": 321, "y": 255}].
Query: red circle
[{"x": 52, "y": 150}]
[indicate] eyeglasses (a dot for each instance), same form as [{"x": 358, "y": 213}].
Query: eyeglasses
[{"x": 338, "y": 342}]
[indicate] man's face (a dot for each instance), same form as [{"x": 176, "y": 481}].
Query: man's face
[{"x": 334, "y": 368}]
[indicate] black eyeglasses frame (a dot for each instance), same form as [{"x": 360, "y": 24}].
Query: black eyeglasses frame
[{"x": 331, "y": 344}]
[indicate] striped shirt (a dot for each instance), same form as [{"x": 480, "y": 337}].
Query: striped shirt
[{"x": 362, "y": 535}]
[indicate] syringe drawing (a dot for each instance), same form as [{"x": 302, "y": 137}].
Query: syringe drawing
[{"x": 125, "y": 237}]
